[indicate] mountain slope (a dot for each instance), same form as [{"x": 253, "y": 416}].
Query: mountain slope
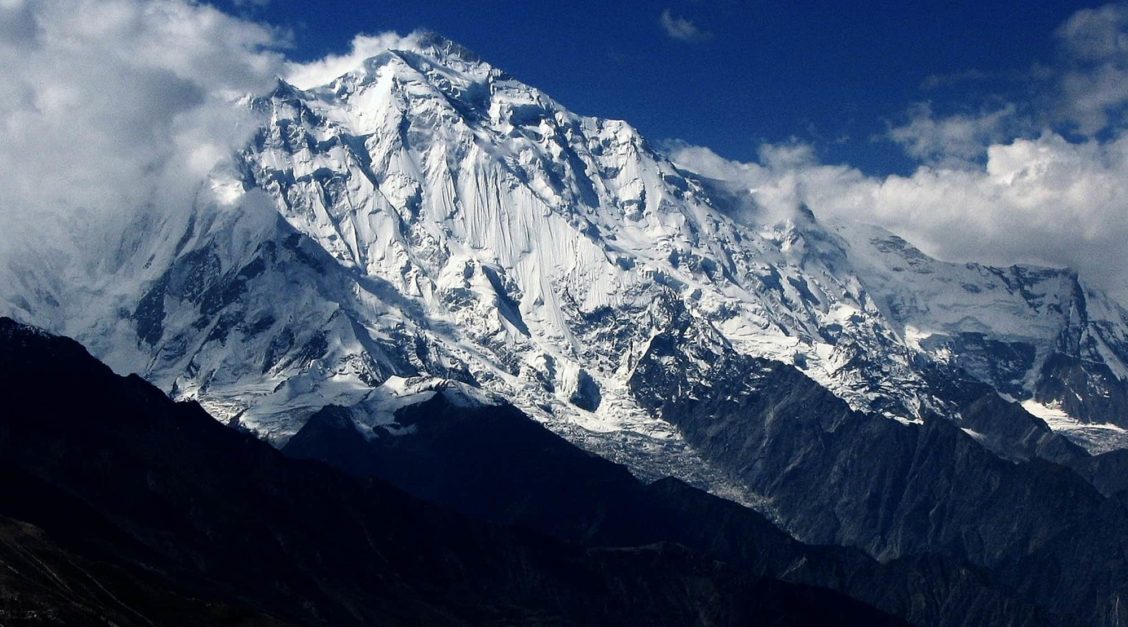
[
  {"x": 428, "y": 214},
  {"x": 1037, "y": 335},
  {"x": 836, "y": 476},
  {"x": 42, "y": 582},
  {"x": 494, "y": 463},
  {"x": 179, "y": 508}
]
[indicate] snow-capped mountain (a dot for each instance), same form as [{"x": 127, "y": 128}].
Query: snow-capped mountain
[
  {"x": 428, "y": 215},
  {"x": 1037, "y": 335}
]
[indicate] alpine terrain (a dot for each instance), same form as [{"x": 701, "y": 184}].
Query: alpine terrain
[{"x": 427, "y": 235}]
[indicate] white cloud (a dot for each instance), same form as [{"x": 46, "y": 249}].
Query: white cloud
[
  {"x": 1085, "y": 91},
  {"x": 953, "y": 140},
  {"x": 1043, "y": 200},
  {"x": 1096, "y": 34},
  {"x": 1094, "y": 84},
  {"x": 322, "y": 71},
  {"x": 682, "y": 29},
  {"x": 111, "y": 106},
  {"x": 1001, "y": 185},
  {"x": 784, "y": 177}
]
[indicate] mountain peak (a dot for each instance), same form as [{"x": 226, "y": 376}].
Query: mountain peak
[
  {"x": 438, "y": 218},
  {"x": 424, "y": 52},
  {"x": 541, "y": 251},
  {"x": 439, "y": 47}
]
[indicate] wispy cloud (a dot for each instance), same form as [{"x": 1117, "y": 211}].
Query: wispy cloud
[
  {"x": 1094, "y": 84},
  {"x": 938, "y": 81},
  {"x": 683, "y": 29},
  {"x": 954, "y": 140}
]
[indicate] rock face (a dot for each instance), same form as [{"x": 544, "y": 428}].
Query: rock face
[
  {"x": 117, "y": 504},
  {"x": 832, "y": 475}
]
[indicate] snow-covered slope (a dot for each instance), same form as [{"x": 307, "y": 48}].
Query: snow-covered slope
[
  {"x": 427, "y": 215},
  {"x": 1038, "y": 335}
]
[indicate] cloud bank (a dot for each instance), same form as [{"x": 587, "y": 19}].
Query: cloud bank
[
  {"x": 1044, "y": 181},
  {"x": 108, "y": 107},
  {"x": 1046, "y": 201}
]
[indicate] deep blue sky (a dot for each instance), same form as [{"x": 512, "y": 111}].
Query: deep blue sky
[{"x": 833, "y": 73}]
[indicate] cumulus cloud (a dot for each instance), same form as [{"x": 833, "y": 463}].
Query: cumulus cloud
[
  {"x": 322, "y": 71},
  {"x": 114, "y": 106},
  {"x": 681, "y": 28},
  {"x": 1044, "y": 200},
  {"x": 784, "y": 177}
]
